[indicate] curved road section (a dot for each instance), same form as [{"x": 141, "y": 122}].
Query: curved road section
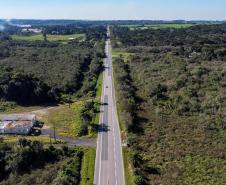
[{"x": 109, "y": 168}]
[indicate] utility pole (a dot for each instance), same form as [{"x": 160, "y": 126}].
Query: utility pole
[
  {"x": 50, "y": 141},
  {"x": 54, "y": 129}
]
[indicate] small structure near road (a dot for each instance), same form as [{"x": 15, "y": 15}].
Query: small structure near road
[
  {"x": 71, "y": 39},
  {"x": 31, "y": 30},
  {"x": 21, "y": 124}
]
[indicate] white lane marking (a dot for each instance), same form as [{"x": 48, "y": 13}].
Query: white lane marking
[
  {"x": 102, "y": 119},
  {"x": 101, "y": 142},
  {"x": 117, "y": 122},
  {"x": 115, "y": 112},
  {"x": 97, "y": 155},
  {"x": 114, "y": 140},
  {"x": 114, "y": 150}
]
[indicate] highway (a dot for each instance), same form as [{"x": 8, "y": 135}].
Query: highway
[{"x": 109, "y": 168}]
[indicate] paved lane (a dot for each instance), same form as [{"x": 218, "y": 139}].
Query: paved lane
[{"x": 109, "y": 169}]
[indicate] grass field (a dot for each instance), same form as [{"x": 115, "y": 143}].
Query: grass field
[
  {"x": 124, "y": 55},
  {"x": 159, "y": 26},
  {"x": 21, "y": 109},
  {"x": 65, "y": 119},
  {"x": 88, "y": 165},
  {"x": 11, "y": 139},
  {"x": 51, "y": 38}
]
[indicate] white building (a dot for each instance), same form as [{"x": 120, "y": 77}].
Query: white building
[
  {"x": 31, "y": 30},
  {"x": 20, "y": 124}
]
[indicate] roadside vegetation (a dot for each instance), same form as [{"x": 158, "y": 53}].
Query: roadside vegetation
[
  {"x": 88, "y": 165},
  {"x": 171, "y": 101},
  {"x": 129, "y": 174},
  {"x": 122, "y": 54},
  {"x": 99, "y": 85},
  {"x": 12, "y": 139},
  {"x": 78, "y": 119},
  {"x": 52, "y": 164},
  {"x": 65, "y": 119}
]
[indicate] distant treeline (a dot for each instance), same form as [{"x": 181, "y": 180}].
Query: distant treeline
[
  {"x": 98, "y": 22},
  {"x": 207, "y": 41}
]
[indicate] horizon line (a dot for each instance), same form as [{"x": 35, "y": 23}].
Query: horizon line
[{"x": 71, "y": 19}]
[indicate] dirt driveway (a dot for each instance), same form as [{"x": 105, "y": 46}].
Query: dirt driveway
[
  {"x": 47, "y": 131},
  {"x": 84, "y": 142}
]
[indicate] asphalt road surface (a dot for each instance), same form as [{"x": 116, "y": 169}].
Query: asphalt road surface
[{"x": 109, "y": 168}]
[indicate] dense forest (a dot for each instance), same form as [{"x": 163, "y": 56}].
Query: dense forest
[
  {"x": 171, "y": 95},
  {"x": 36, "y": 72},
  {"x": 31, "y": 161}
]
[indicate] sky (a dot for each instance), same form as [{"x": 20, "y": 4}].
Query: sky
[{"x": 114, "y": 9}]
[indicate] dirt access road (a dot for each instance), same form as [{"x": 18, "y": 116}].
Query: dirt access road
[{"x": 48, "y": 131}]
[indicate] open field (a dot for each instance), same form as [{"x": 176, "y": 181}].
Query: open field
[
  {"x": 20, "y": 109},
  {"x": 124, "y": 55},
  {"x": 65, "y": 119},
  {"x": 51, "y": 38},
  {"x": 11, "y": 139}
]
